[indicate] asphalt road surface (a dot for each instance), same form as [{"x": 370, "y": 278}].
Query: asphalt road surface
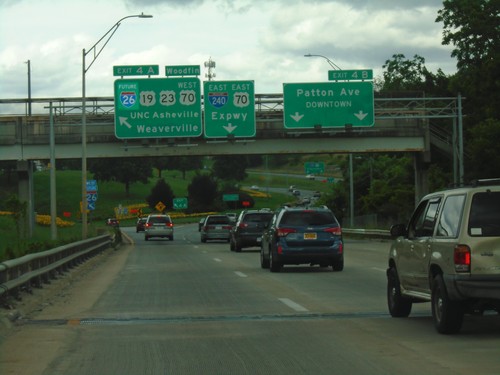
[{"x": 186, "y": 307}]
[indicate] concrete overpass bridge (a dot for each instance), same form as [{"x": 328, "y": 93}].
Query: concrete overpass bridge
[{"x": 402, "y": 124}]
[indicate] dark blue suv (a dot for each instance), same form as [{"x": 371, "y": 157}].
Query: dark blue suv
[{"x": 300, "y": 235}]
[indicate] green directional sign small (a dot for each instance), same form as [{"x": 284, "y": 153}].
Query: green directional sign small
[
  {"x": 230, "y": 197},
  {"x": 350, "y": 75},
  {"x": 182, "y": 70},
  {"x": 229, "y": 108},
  {"x": 158, "y": 108},
  {"x": 328, "y": 104},
  {"x": 314, "y": 167},
  {"x": 136, "y": 70},
  {"x": 180, "y": 203}
]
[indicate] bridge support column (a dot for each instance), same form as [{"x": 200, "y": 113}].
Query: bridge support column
[
  {"x": 26, "y": 192},
  {"x": 421, "y": 166}
]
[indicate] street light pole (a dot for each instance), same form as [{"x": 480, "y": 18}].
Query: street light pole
[
  {"x": 332, "y": 64},
  {"x": 96, "y": 52}
]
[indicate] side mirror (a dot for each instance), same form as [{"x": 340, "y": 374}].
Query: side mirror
[{"x": 398, "y": 230}]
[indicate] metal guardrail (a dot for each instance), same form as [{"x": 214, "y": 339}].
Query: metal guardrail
[
  {"x": 368, "y": 233},
  {"x": 35, "y": 269}
]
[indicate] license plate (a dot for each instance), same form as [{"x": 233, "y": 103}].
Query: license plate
[{"x": 310, "y": 236}]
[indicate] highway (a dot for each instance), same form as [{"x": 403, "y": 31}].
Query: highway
[{"x": 186, "y": 307}]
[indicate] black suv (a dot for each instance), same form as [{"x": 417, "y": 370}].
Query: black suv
[
  {"x": 301, "y": 235},
  {"x": 247, "y": 231}
]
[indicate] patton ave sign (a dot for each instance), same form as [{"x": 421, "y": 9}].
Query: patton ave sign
[
  {"x": 328, "y": 104},
  {"x": 158, "y": 108},
  {"x": 229, "y": 109}
]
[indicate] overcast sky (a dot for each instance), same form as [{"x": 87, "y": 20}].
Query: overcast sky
[{"x": 260, "y": 40}]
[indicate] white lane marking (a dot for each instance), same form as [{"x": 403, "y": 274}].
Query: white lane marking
[
  {"x": 293, "y": 305},
  {"x": 379, "y": 269},
  {"x": 217, "y": 260},
  {"x": 240, "y": 274}
]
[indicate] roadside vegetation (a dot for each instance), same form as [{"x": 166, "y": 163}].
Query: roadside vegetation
[{"x": 112, "y": 195}]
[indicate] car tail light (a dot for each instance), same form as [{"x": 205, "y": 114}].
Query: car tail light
[
  {"x": 283, "y": 232},
  {"x": 243, "y": 225},
  {"x": 279, "y": 249},
  {"x": 227, "y": 227},
  {"x": 170, "y": 225},
  {"x": 334, "y": 230},
  {"x": 462, "y": 258}
]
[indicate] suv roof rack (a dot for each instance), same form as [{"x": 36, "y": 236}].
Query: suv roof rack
[{"x": 485, "y": 182}]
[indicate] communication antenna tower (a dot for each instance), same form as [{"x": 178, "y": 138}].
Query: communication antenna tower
[{"x": 210, "y": 64}]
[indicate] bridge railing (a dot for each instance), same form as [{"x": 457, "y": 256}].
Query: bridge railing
[{"x": 35, "y": 269}]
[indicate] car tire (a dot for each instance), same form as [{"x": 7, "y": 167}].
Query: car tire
[
  {"x": 447, "y": 315},
  {"x": 203, "y": 240},
  {"x": 338, "y": 265},
  {"x": 399, "y": 306},
  {"x": 237, "y": 247},
  {"x": 231, "y": 245},
  {"x": 146, "y": 238},
  {"x": 171, "y": 238},
  {"x": 264, "y": 262},
  {"x": 274, "y": 266}
]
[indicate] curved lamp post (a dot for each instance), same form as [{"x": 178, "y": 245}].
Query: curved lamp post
[
  {"x": 332, "y": 64},
  {"x": 96, "y": 50}
]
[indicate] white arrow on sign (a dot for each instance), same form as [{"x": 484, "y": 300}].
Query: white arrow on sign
[
  {"x": 123, "y": 121},
  {"x": 360, "y": 115},
  {"x": 230, "y": 128},
  {"x": 297, "y": 117}
]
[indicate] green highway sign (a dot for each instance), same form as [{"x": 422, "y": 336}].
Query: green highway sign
[
  {"x": 229, "y": 109},
  {"x": 328, "y": 104},
  {"x": 230, "y": 197},
  {"x": 158, "y": 108},
  {"x": 350, "y": 75},
  {"x": 182, "y": 70},
  {"x": 180, "y": 203},
  {"x": 136, "y": 70},
  {"x": 314, "y": 167}
]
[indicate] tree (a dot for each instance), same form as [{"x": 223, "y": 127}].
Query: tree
[
  {"x": 403, "y": 74},
  {"x": 126, "y": 171},
  {"x": 202, "y": 193},
  {"x": 483, "y": 148},
  {"x": 161, "y": 192},
  {"x": 230, "y": 167},
  {"x": 180, "y": 163},
  {"x": 19, "y": 215},
  {"x": 473, "y": 28}
]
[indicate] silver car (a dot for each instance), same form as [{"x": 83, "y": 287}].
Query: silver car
[
  {"x": 159, "y": 225},
  {"x": 216, "y": 227}
]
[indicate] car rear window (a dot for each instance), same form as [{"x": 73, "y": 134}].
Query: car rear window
[
  {"x": 309, "y": 218},
  {"x": 159, "y": 219},
  {"x": 218, "y": 220},
  {"x": 484, "y": 219},
  {"x": 258, "y": 218}
]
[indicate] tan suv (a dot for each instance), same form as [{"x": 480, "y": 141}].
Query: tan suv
[{"x": 448, "y": 254}]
